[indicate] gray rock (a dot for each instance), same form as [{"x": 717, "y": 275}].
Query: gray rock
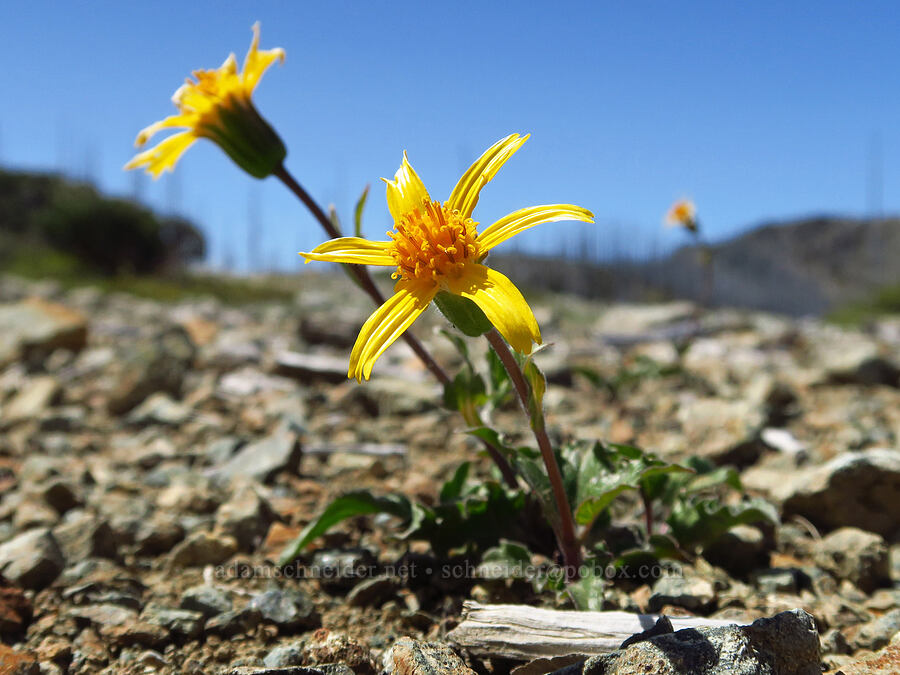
[
  {"x": 182, "y": 623},
  {"x": 858, "y": 556},
  {"x": 373, "y": 592},
  {"x": 722, "y": 430},
  {"x": 157, "y": 365},
  {"x": 220, "y": 450},
  {"x": 31, "y": 560},
  {"x": 739, "y": 551},
  {"x": 875, "y": 634},
  {"x": 785, "y": 644},
  {"x": 855, "y": 489},
  {"x": 283, "y": 656},
  {"x": 291, "y": 610},
  {"x": 275, "y": 670},
  {"x": 103, "y": 614},
  {"x": 777, "y": 580},
  {"x": 263, "y": 459},
  {"x": 31, "y": 400},
  {"x": 203, "y": 548},
  {"x": 158, "y": 534},
  {"x": 246, "y": 517},
  {"x": 85, "y": 536},
  {"x": 311, "y": 368},
  {"x": 342, "y": 569},
  {"x": 32, "y": 329},
  {"x": 411, "y": 657},
  {"x": 208, "y": 600},
  {"x": 692, "y": 593},
  {"x": 229, "y": 624},
  {"x": 160, "y": 408},
  {"x": 61, "y": 494}
]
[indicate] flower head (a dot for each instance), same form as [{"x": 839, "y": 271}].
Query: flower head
[
  {"x": 682, "y": 213},
  {"x": 216, "y": 104},
  {"x": 437, "y": 249}
]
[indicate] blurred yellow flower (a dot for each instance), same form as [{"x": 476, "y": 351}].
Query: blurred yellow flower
[
  {"x": 217, "y": 106},
  {"x": 682, "y": 213},
  {"x": 436, "y": 248}
]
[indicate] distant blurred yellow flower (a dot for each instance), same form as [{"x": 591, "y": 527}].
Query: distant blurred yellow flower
[
  {"x": 682, "y": 213},
  {"x": 218, "y": 106},
  {"x": 437, "y": 251}
]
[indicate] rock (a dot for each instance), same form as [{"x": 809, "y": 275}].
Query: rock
[
  {"x": 723, "y": 431},
  {"x": 855, "y": 489},
  {"x": 694, "y": 594},
  {"x": 263, "y": 459},
  {"x": 208, "y": 600},
  {"x": 289, "y": 670},
  {"x": 249, "y": 381},
  {"x": 85, "y": 536},
  {"x": 311, "y": 368},
  {"x": 858, "y": 556},
  {"x": 157, "y": 365},
  {"x": 373, "y": 592},
  {"x": 782, "y": 440},
  {"x": 778, "y": 580},
  {"x": 60, "y": 494},
  {"x": 290, "y": 610},
  {"x": 32, "y": 329},
  {"x": 246, "y": 517},
  {"x": 181, "y": 623},
  {"x": 31, "y": 400},
  {"x": 739, "y": 551},
  {"x": 411, "y": 657},
  {"x": 14, "y": 662},
  {"x": 15, "y": 609},
  {"x": 136, "y": 633},
  {"x": 160, "y": 408},
  {"x": 229, "y": 624},
  {"x": 104, "y": 614},
  {"x": 203, "y": 548},
  {"x": 785, "y": 644},
  {"x": 326, "y": 647},
  {"x": 341, "y": 570},
  {"x": 883, "y": 663},
  {"x": 158, "y": 534},
  {"x": 874, "y": 634},
  {"x": 870, "y": 371},
  {"x": 31, "y": 560},
  {"x": 220, "y": 450},
  {"x": 283, "y": 656},
  {"x": 630, "y": 324}
]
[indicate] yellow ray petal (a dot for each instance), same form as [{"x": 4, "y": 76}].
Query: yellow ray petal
[
  {"x": 352, "y": 250},
  {"x": 465, "y": 195},
  {"x": 387, "y": 323},
  {"x": 146, "y": 133},
  {"x": 520, "y": 220},
  {"x": 258, "y": 62},
  {"x": 406, "y": 192},
  {"x": 164, "y": 155},
  {"x": 502, "y": 304}
]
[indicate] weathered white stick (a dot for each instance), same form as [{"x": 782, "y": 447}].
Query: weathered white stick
[{"x": 525, "y": 633}]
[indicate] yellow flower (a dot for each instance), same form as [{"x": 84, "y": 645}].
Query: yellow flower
[
  {"x": 682, "y": 213},
  {"x": 217, "y": 105},
  {"x": 436, "y": 248}
]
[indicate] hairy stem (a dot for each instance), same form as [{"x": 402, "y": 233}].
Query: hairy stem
[
  {"x": 359, "y": 271},
  {"x": 568, "y": 543}
]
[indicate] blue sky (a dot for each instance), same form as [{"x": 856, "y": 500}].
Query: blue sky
[{"x": 758, "y": 111}]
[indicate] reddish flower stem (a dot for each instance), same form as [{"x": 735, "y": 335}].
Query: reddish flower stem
[{"x": 568, "y": 543}]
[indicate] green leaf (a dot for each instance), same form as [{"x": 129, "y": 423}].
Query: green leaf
[
  {"x": 529, "y": 465},
  {"x": 463, "y": 313},
  {"x": 508, "y": 560},
  {"x": 350, "y": 505},
  {"x": 358, "y": 211},
  {"x": 501, "y": 385},
  {"x": 465, "y": 393},
  {"x": 453, "y": 488},
  {"x": 696, "y": 522},
  {"x": 606, "y": 472},
  {"x": 587, "y": 592}
]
